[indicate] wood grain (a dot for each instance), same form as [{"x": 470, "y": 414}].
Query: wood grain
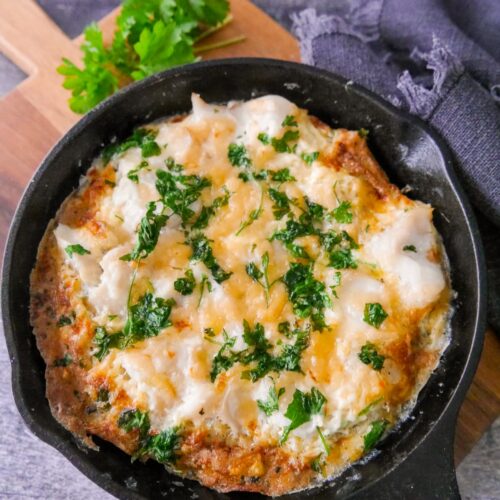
[{"x": 35, "y": 115}]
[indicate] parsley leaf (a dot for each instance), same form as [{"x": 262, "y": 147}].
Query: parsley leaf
[
  {"x": 162, "y": 447},
  {"x": 225, "y": 358},
  {"x": 203, "y": 252},
  {"x": 179, "y": 191},
  {"x": 78, "y": 249},
  {"x": 66, "y": 320},
  {"x": 238, "y": 156},
  {"x": 281, "y": 145},
  {"x": 92, "y": 84},
  {"x": 374, "y": 314},
  {"x": 135, "y": 420},
  {"x": 289, "y": 121},
  {"x": 151, "y": 35},
  {"x": 309, "y": 158},
  {"x": 342, "y": 213},
  {"x": 342, "y": 259},
  {"x": 282, "y": 175},
  {"x": 264, "y": 138},
  {"x": 409, "y": 248},
  {"x": 370, "y": 356},
  {"x": 369, "y": 406},
  {"x": 301, "y": 409},
  {"x": 209, "y": 211},
  {"x": 133, "y": 174},
  {"x": 145, "y": 319},
  {"x": 376, "y": 431},
  {"x": 148, "y": 234},
  {"x": 271, "y": 404},
  {"x": 141, "y": 138},
  {"x": 205, "y": 283},
  {"x": 186, "y": 285},
  {"x": 281, "y": 205},
  {"x": 307, "y": 295},
  {"x": 252, "y": 216}
]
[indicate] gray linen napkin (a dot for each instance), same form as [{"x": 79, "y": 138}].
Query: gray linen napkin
[{"x": 438, "y": 59}]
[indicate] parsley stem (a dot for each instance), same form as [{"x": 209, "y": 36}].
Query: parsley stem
[
  {"x": 219, "y": 45},
  {"x": 254, "y": 214},
  {"x": 214, "y": 29}
]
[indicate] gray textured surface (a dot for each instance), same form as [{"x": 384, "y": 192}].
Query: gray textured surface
[{"x": 30, "y": 469}]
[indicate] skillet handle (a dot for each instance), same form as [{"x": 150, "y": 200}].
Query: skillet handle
[{"x": 428, "y": 473}]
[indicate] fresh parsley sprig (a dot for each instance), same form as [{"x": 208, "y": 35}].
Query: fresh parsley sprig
[
  {"x": 150, "y": 36},
  {"x": 261, "y": 275}
]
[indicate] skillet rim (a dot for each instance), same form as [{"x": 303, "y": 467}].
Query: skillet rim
[{"x": 67, "y": 447}]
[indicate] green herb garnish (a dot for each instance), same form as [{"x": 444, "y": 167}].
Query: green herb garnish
[
  {"x": 252, "y": 216},
  {"x": 410, "y": 248},
  {"x": 374, "y": 314},
  {"x": 281, "y": 176},
  {"x": 282, "y": 144},
  {"x": 148, "y": 233},
  {"x": 205, "y": 283},
  {"x": 370, "y": 356},
  {"x": 303, "y": 406},
  {"x": 264, "y": 138},
  {"x": 179, "y": 191},
  {"x": 289, "y": 121},
  {"x": 78, "y": 249},
  {"x": 149, "y": 37},
  {"x": 271, "y": 405},
  {"x": 66, "y": 320},
  {"x": 309, "y": 158},
  {"x": 238, "y": 156},
  {"x": 373, "y": 436},
  {"x": 281, "y": 203},
  {"x": 185, "y": 285},
  {"x": 209, "y": 211},
  {"x": 133, "y": 174},
  {"x": 307, "y": 295},
  {"x": 369, "y": 406},
  {"x": 203, "y": 252},
  {"x": 260, "y": 275},
  {"x": 225, "y": 358},
  {"x": 141, "y": 138},
  {"x": 343, "y": 213}
]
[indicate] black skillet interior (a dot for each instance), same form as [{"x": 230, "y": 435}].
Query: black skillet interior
[{"x": 414, "y": 461}]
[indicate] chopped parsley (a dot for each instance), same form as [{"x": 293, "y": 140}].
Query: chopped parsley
[
  {"x": 342, "y": 259},
  {"x": 205, "y": 283},
  {"x": 373, "y": 436},
  {"x": 64, "y": 361},
  {"x": 301, "y": 409},
  {"x": 343, "y": 213},
  {"x": 179, "y": 191},
  {"x": 161, "y": 447},
  {"x": 66, "y": 320},
  {"x": 281, "y": 203},
  {"x": 148, "y": 233},
  {"x": 363, "y": 132},
  {"x": 238, "y": 156},
  {"x": 374, "y": 314},
  {"x": 260, "y": 275},
  {"x": 370, "y": 406},
  {"x": 264, "y": 138},
  {"x": 258, "y": 354},
  {"x": 309, "y": 158},
  {"x": 271, "y": 405},
  {"x": 209, "y": 211},
  {"x": 339, "y": 248},
  {"x": 370, "y": 356},
  {"x": 282, "y": 144},
  {"x": 187, "y": 284},
  {"x": 145, "y": 319},
  {"x": 307, "y": 295},
  {"x": 133, "y": 174},
  {"x": 225, "y": 358},
  {"x": 281, "y": 176},
  {"x": 337, "y": 280},
  {"x": 289, "y": 121},
  {"x": 252, "y": 216},
  {"x": 409, "y": 248},
  {"x": 142, "y": 138},
  {"x": 77, "y": 248},
  {"x": 326, "y": 446},
  {"x": 202, "y": 251}
]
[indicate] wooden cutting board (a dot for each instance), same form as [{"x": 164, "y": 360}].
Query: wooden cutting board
[{"x": 35, "y": 115}]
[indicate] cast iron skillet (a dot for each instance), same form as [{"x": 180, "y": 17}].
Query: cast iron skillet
[{"x": 416, "y": 460}]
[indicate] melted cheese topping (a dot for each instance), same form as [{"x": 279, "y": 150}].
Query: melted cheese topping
[{"x": 169, "y": 374}]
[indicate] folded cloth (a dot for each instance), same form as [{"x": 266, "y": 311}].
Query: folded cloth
[{"x": 438, "y": 59}]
